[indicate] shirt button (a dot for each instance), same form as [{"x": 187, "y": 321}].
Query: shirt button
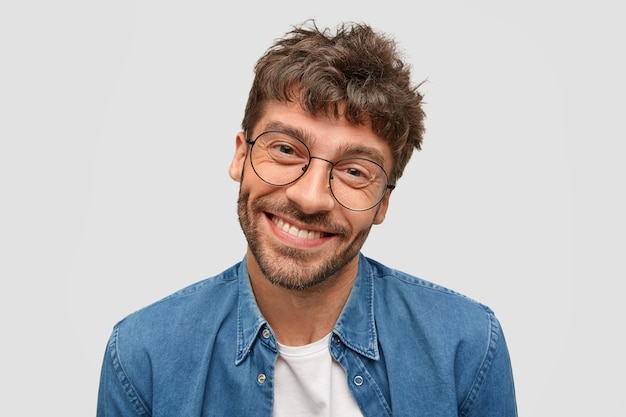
[
  {"x": 261, "y": 378},
  {"x": 266, "y": 333},
  {"x": 358, "y": 380}
]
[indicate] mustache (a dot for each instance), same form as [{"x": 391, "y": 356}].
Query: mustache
[{"x": 317, "y": 220}]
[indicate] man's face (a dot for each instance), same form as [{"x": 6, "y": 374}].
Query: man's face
[{"x": 299, "y": 236}]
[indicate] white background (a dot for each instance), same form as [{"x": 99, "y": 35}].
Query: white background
[{"x": 117, "y": 124}]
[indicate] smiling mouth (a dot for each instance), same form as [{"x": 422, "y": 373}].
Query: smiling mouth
[{"x": 295, "y": 231}]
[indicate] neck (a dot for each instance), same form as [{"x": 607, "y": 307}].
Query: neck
[{"x": 300, "y": 317}]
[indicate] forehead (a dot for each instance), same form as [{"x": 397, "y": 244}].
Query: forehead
[{"x": 325, "y": 136}]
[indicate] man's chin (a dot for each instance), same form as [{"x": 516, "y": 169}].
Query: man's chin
[{"x": 297, "y": 269}]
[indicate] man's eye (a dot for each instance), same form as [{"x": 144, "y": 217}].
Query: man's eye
[
  {"x": 354, "y": 172},
  {"x": 286, "y": 149}
]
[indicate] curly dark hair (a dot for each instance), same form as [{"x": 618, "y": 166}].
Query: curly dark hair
[{"x": 355, "y": 72}]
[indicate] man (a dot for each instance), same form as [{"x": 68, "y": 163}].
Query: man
[{"x": 305, "y": 325}]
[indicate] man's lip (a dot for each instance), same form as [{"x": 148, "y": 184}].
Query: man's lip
[{"x": 297, "y": 229}]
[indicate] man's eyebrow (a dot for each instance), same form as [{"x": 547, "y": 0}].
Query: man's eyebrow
[
  {"x": 290, "y": 130},
  {"x": 361, "y": 151}
]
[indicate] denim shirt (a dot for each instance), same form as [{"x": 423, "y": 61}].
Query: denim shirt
[{"x": 409, "y": 348}]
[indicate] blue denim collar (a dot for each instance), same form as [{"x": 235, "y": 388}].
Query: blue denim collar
[
  {"x": 355, "y": 328},
  {"x": 249, "y": 317}
]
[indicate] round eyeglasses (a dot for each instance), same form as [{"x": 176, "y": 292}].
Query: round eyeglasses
[{"x": 279, "y": 159}]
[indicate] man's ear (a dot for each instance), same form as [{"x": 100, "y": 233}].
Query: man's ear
[
  {"x": 382, "y": 209},
  {"x": 239, "y": 159}
]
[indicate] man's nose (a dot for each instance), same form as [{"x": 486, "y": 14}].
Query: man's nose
[{"x": 311, "y": 193}]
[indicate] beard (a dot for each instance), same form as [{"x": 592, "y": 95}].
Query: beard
[{"x": 293, "y": 268}]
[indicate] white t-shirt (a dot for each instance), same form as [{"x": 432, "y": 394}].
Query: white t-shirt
[{"x": 308, "y": 382}]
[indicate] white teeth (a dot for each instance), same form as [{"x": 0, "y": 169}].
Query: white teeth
[{"x": 294, "y": 231}]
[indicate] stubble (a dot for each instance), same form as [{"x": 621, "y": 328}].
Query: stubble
[{"x": 293, "y": 268}]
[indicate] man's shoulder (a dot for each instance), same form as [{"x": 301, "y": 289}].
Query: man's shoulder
[
  {"x": 405, "y": 304},
  {"x": 422, "y": 295},
  {"x": 174, "y": 334}
]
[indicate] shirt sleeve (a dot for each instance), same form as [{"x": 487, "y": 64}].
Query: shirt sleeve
[
  {"x": 116, "y": 395},
  {"x": 493, "y": 393}
]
